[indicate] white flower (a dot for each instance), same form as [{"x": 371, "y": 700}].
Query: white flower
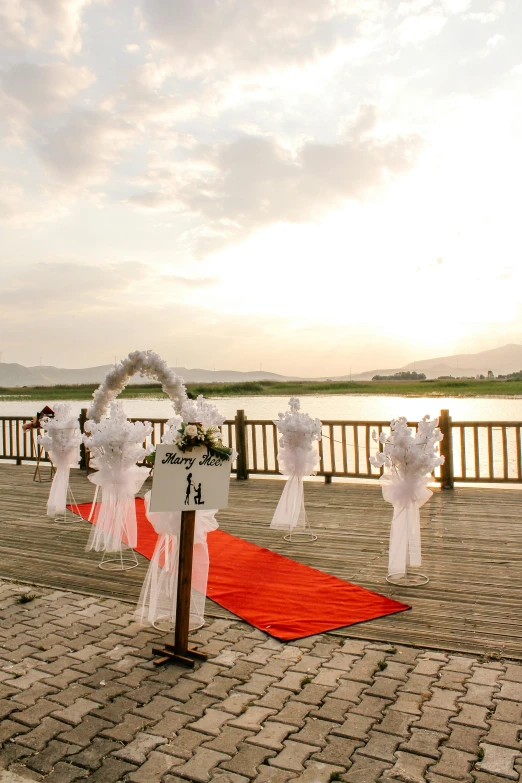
[
  {"x": 411, "y": 455},
  {"x": 191, "y": 431}
]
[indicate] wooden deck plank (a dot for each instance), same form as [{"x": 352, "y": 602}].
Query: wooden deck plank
[{"x": 471, "y": 539}]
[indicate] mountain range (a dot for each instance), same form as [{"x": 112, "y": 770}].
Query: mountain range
[{"x": 499, "y": 360}]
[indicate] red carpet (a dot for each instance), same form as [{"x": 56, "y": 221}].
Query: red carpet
[{"x": 284, "y": 598}]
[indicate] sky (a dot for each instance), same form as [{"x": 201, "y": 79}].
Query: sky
[{"x": 309, "y": 187}]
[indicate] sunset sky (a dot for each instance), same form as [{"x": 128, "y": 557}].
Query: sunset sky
[{"x": 306, "y": 186}]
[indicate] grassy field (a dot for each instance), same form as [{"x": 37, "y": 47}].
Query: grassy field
[{"x": 443, "y": 388}]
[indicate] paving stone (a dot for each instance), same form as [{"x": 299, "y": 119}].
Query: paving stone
[
  {"x": 466, "y": 738},
  {"x": 38, "y": 737},
  {"x": 268, "y": 774},
  {"x": 116, "y": 710},
  {"x": 92, "y": 756},
  {"x": 318, "y": 772},
  {"x": 169, "y": 724},
  {"x": 333, "y": 709},
  {"x": 157, "y": 707},
  {"x": 201, "y": 765},
  {"x": 220, "y": 687},
  {"x": 274, "y": 698},
  {"x": 293, "y": 756},
  {"x": 348, "y": 691},
  {"x": 424, "y": 742},
  {"x": 395, "y": 671},
  {"x": 111, "y": 770},
  {"x": 338, "y": 750},
  {"x": 196, "y": 705},
  {"x": 33, "y": 694},
  {"x": 444, "y": 699},
  {"x": 384, "y": 687},
  {"x": 418, "y": 683},
  {"x": 33, "y": 715},
  {"x": 137, "y": 750},
  {"x": 329, "y": 677},
  {"x": 45, "y": 761},
  {"x": 157, "y": 765},
  {"x": 252, "y": 718},
  {"x": 184, "y": 689},
  {"x": 484, "y": 675},
  {"x": 486, "y": 777},
  {"x": 228, "y": 740},
  {"x": 275, "y": 667},
  {"x": 75, "y": 713},
  {"x": 12, "y": 752},
  {"x": 427, "y": 667},
  {"x": 292, "y": 681},
  {"x": 211, "y": 722},
  {"x": 454, "y": 763},
  {"x": 228, "y": 777},
  {"x": 257, "y": 684},
  {"x": 294, "y": 713},
  {"x": 479, "y": 694},
  {"x": 83, "y": 734},
  {"x": 70, "y": 695},
  {"x": 32, "y": 676},
  {"x": 381, "y": 746},
  {"x": 309, "y": 664},
  {"x": 355, "y": 727},
  {"x": 365, "y": 770},
  {"x": 410, "y": 767},
  {"x": 272, "y": 735},
  {"x": 185, "y": 743},
  {"x": 65, "y": 773},
  {"x": 513, "y": 672},
  {"x": 502, "y": 733},
  {"x": 315, "y": 731},
  {"x": 453, "y": 680},
  {"x": 236, "y": 703},
  {"x": 241, "y": 670},
  {"x": 509, "y": 711},
  {"x": 371, "y": 706},
  {"x": 126, "y": 730},
  {"x": 435, "y": 719},
  {"x": 499, "y": 761},
  {"x": 472, "y": 715},
  {"x": 460, "y": 663},
  {"x": 509, "y": 690}
]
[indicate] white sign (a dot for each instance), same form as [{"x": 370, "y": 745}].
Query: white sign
[{"x": 189, "y": 480}]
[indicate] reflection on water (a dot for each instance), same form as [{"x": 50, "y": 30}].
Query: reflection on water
[{"x": 329, "y": 406}]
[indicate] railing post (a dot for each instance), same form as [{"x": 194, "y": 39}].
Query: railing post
[
  {"x": 241, "y": 446},
  {"x": 446, "y": 449},
  {"x": 83, "y": 451}
]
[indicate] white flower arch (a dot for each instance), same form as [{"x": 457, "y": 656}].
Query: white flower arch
[{"x": 147, "y": 363}]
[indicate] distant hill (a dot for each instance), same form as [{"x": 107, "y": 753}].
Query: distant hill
[
  {"x": 18, "y": 375},
  {"x": 498, "y": 360}
]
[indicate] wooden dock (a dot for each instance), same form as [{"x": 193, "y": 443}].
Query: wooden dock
[{"x": 471, "y": 539}]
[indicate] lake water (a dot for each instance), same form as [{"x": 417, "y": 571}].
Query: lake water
[{"x": 328, "y": 406}]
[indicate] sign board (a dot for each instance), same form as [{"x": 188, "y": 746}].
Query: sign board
[{"x": 189, "y": 480}]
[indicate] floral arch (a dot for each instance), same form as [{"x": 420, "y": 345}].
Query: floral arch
[{"x": 147, "y": 363}]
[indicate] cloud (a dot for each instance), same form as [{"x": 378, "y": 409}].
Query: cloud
[
  {"x": 238, "y": 187},
  {"x": 249, "y": 35},
  {"x": 52, "y": 24},
  {"x": 85, "y": 149},
  {"x": 44, "y": 89}
]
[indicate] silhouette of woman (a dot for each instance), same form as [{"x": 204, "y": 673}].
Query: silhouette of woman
[{"x": 189, "y": 486}]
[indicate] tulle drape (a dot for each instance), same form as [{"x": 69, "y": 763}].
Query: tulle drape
[
  {"x": 407, "y": 495},
  {"x": 116, "y": 525},
  {"x": 295, "y": 463},
  {"x": 157, "y": 601},
  {"x": 63, "y": 461}
]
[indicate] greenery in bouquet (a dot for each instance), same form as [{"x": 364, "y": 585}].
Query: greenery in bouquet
[{"x": 190, "y": 436}]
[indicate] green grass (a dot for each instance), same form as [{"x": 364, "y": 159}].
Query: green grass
[{"x": 445, "y": 388}]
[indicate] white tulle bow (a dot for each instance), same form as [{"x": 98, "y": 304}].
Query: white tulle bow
[
  {"x": 407, "y": 495},
  {"x": 157, "y": 601}
]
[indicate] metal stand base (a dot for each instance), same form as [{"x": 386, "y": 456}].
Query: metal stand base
[
  {"x": 69, "y": 519},
  {"x": 119, "y": 561},
  {"x": 409, "y": 579},
  {"x": 185, "y": 657},
  {"x": 165, "y": 625},
  {"x": 301, "y": 537}
]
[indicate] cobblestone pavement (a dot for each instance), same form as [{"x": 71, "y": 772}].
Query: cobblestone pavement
[{"x": 81, "y": 699}]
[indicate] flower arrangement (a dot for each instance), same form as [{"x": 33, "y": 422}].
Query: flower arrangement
[
  {"x": 61, "y": 432},
  {"x": 298, "y": 430},
  {"x": 116, "y": 442},
  {"x": 408, "y": 454},
  {"x": 147, "y": 363},
  {"x": 198, "y": 425}
]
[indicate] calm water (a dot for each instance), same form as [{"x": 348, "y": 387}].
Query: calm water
[{"x": 328, "y": 406}]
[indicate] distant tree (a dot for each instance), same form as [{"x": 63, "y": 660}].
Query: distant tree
[
  {"x": 404, "y": 375},
  {"x": 490, "y": 375}
]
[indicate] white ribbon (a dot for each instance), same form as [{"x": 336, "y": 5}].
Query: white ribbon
[
  {"x": 116, "y": 524},
  {"x": 407, "y": 495},
  {"x": 158, "y": 594},
  {"x": 62, "y": 444},
  {"x": 295, "y": 462}
]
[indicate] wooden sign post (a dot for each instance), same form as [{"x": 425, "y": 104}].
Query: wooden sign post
[{"x": 194, "y": 480}]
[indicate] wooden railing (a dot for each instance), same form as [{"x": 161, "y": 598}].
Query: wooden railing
[{"x": 475, "y": 452}]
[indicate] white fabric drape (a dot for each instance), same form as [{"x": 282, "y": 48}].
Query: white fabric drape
[
  {"x": 158, "y": 594},
  {"x": 295, "y": 463},
  {"x": 407, "y": 495},
  {"x": 116, "y": 525},
  {"x": 62, "y": 444}
]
